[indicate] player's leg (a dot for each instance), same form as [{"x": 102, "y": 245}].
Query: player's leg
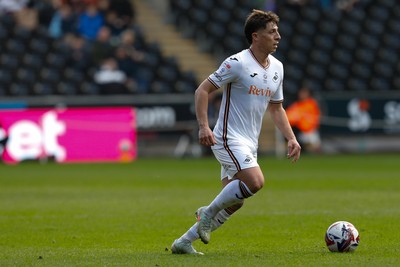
[
  {"x": 226, "y": 213},
  {"x": 183, "y": 245},
  {"x": 244, "y": 185}
]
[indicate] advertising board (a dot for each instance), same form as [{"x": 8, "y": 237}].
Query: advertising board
[{"x": 69, "y": 135}]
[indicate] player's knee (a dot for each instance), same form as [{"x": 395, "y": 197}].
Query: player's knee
[{"x": 256, "y": 184}]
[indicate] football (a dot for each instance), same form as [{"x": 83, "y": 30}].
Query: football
[{"x": 342, "y": 236}]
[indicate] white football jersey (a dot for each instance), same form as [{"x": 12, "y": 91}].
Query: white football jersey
[{"x": 248, "y": 89}]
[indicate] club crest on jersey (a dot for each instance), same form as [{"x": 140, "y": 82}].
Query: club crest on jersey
[{"x": 275, "y": 78}]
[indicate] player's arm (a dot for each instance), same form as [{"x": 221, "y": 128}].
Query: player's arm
[
  {"x": 206, "y": 136},
  {"x": 281, "y": 121}
]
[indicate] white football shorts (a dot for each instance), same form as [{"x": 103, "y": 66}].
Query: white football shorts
[{"x": 234, "y": 159}]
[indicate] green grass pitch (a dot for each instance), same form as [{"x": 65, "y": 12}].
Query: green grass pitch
[{"x": 129, "y": 214}]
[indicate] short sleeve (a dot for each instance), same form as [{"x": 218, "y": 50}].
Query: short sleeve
[{"x": 226, "y": 73}]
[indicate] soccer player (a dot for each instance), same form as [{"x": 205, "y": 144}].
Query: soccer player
[{"x": 252, "y": 83}]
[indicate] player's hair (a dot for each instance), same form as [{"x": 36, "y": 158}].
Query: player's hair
[{"x": 256, "y": 20}]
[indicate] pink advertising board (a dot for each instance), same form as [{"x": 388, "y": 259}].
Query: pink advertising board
[{"x": 70, "y": 135}]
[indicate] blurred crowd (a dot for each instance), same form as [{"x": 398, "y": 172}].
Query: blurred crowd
[
  {"x": 345, "y": 5},
  {"x": 99, "y": 33}
]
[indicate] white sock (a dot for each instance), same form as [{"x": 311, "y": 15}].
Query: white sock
[
  {"x": 233, "y": 193},
  {"x": 217, "y": 221},
  {"x": 191, "y": 234}
]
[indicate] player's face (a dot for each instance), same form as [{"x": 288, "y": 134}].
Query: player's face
[{"x": 269, "y": 37}]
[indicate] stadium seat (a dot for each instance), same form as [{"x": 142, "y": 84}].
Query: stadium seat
[
  {"x": 338, "y": 70},
  {"x": 347, "y": 42},
  {"x": 311, "y": 14},
  {"x": 9, "y": 61},
  {"x": 379, "y": 84},
  {"x": 88, "y": 88},
  {"x": 324, "y": 42},
  {"x": 6, "y": 78},
  {"x": 73, "y": 75},
  {"x": 226, "y": 4},
  {"x": 387, "y": 55},
  {"x": 316, "y": 71},
  {"x": 16, "y": 47},
  {"x": 19, "y": 89},
  {"x": 306, "y": 28},
  {"x": 66, "y": 88},
  {"x": 320, "y": 56},
  {"x": 360, "y": 70},
  {"x": 350, "y": 26},
  {"x": 22, "y": 34},
  {"x": 333, "y": 84},
  {"x": 342, "y": 55},
  {"x": 160, "y": 87},
  {"x": 221, "y": 15},
  {"x": 42, "y": 89},
  {"x": 380, "y": 13},
  {"x": 383, "y": 70},
  {"x": 3, "y": 34},
  {"x": 357, "y": 85},
  {"x": 203, "y": 4},
  {"x": 32, "y": 61},
  {"x": 26, "y": 75},
  {"x": 57, "y": 61},
  {"x": 50, "y": 75},
  {"x": 39, "y": 46}
]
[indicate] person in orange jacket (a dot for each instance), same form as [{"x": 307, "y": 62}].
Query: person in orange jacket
[{"x": 304, "y": 115}]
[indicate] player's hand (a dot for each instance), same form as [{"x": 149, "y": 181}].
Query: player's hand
[
  {"x": 206, "y": 137},
  {"x": 294, "y": 150}
]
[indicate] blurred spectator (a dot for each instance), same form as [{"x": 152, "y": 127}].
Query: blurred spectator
[
  {"x": 45, "y": 10},
  {"x": 79, "y": 57},
  {"x": 21, "y": 10},
  {"x": 109, "y": 78},
  {"x": 119, "y": 16},
  {"x": 346, "y": 5},
  {"x": 12, "y": 6},
  {"x": 78, "y": 6},
  {"x": 298, "y": 2},
  {"x": 304, "y": 117},
  {"x": 129, "y": 60},
  {"x": 90, "y": 21},
  {"x": 63, "y": 21},
  {"x": 325, "y": 4},
  {"x": 101, "y": 48}
]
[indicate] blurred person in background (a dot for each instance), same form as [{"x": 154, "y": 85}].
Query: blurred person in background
[
  {"x": 90, "y": 21},
  {"x": 109, "y": 78},
  {"x": 304, "y": 116},
  {"x": 252, "y": 82},
  {"x": 63, "y": 20},
  {"x": 79, "y": 57},
  {"x": 129, "y": 60},
  {"x": 119, "y": 15},
  {"x": 12, "y": 6},
  {"x": 102, "y": 48}
]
